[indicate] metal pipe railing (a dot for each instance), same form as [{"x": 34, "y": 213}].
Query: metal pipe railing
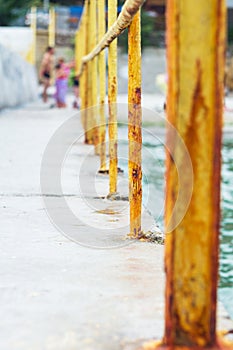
[
  {"x": 123, "y": 21},
  {"x": 194, "y": 110}
]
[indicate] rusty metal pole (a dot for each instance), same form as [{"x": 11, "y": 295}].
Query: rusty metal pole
[
  {"x": 134, "y": 125},
  {"x": 102, "y": 86},
  {"x": 52, "y": 27},
  {"x": 194, "y": 107},
  {"x": 93, "y": 65},
  {"x": 112, "y": 100},
  {"x": 89, "y": 120},
  {"x": 84, "y": 76}
]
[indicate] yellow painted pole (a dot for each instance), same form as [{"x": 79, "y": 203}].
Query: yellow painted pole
[
  {"x": 194, "y": 107},
  {"x": 86, "y": 82},
  {"x": 112, "y": 100},
  {"x": 77, "y": 44},
  {"x": 31, "y": 54},
  {"x": 34, "y": 30},
  {"x": 52, "y": 27},
  {"x": 89, "y": 121},
  {"x": 80, "y": 50},
  {"x": 134, "y": 125},
  {"x": 79, "y": 47},
  {"x": 93, "y": 76},
  {"x": 124, "y": 19},
  {"x": 102, "y": 85},
  {"x": 84, "y": 77}
]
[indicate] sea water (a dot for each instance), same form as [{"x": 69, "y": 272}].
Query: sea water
[{"x": 153, "y": 157}]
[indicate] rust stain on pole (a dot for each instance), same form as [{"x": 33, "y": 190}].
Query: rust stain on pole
[
  {"x": 112, "y": 99},
  {"x": 102, "y": 85},
  {"x": 194, "y": 108},
  {"x": 134, "y": 125}
]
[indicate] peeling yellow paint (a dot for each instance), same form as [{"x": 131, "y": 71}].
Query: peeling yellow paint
[
  {"x": 89, "y": 120},
  {"x": 112, "y": 99},
  {"x": 195, "y": 56},
  {"x": 93, "y": 76},
  {"x": 134, "y": 126},
  {"x": 102, "y": 85}
]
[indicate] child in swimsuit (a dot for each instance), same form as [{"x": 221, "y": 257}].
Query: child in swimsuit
[{"x": 61, "y": 83}]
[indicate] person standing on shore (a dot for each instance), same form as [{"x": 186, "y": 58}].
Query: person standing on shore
[
  {"x": 46, "y": 69},
  {"x": 62, "y": 72}
]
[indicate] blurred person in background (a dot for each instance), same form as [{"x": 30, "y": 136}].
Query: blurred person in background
[
  {"x": 62, "y": 72},
  {"x": 46, "y": 70}
]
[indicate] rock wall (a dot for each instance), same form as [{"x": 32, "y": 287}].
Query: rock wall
[
  {"x": 18, "y": 79},
  {"x": 17, "y": 39}
]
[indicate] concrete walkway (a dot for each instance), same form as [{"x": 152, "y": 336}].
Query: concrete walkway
[{"x": 88, "y": 288}]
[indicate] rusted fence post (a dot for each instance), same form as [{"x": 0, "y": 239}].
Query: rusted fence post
[
  {"x": 134, "y": 125},
  {"x": 195, "y": 56},
  {"x": 102, "y": 86},
  {"x": 112, "y": 100}
]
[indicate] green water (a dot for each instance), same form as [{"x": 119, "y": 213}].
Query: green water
[
  {"x": 153, "y": 187},
  {"x": 226, "y": 246}
]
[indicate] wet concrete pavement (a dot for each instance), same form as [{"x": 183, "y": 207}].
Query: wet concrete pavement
[{"x": 83, "y": 288}]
